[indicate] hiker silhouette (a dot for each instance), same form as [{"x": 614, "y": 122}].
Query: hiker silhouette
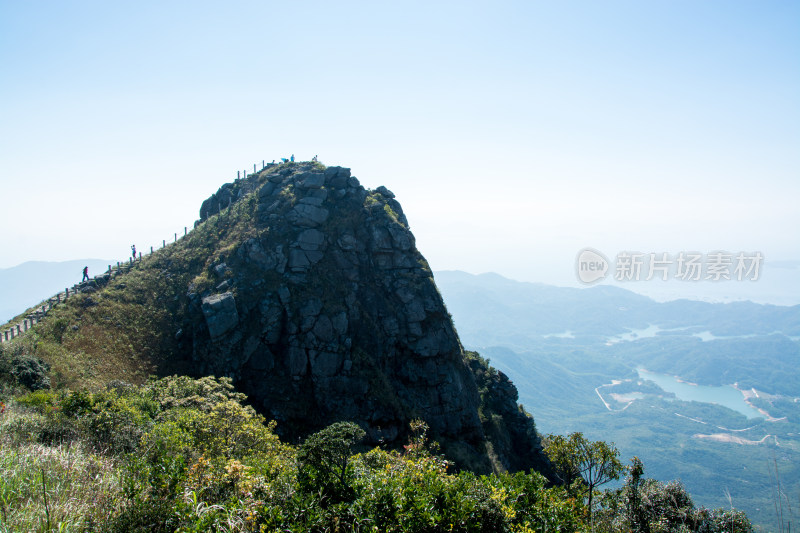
[{"x": 85, "y": 274}]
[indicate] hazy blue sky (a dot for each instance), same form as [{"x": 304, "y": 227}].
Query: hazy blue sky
[{"x": 513, "y": 133}]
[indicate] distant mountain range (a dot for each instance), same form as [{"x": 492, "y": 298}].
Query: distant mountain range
[
  {"x": 490, "y": 309},
  {"x": 25, "y": 285}
]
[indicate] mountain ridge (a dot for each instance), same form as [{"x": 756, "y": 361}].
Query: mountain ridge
[{"x": 307, "y": 289}]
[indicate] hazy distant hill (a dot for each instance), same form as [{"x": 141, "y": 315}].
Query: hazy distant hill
[
  {"x": 490, "y": 309},
  {"x": 29, "y": 283}
]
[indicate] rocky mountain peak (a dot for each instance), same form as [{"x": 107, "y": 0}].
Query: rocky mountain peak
[
  {"x": 328, "y": 311},
  {"x": 320, "y": 307}
]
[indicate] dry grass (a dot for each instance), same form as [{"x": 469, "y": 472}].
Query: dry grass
[{"x": 54, "y": 488}]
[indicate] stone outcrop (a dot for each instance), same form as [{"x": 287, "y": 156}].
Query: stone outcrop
[
  {"x": 324, "y": 310},
  {"x": 220, "y": 314}
]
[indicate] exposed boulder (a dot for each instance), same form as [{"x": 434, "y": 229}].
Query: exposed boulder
[{"x": 220, "y": 314}]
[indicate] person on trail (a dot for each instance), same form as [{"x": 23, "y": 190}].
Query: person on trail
[
  {"x": 292, "y": 158},
  {"x": 314, "y": 159},
  {"x": 133, "y": 250},
  {"x": 85, "y": 274}
]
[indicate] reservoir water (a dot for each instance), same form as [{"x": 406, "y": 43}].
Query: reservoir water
[{"x": 726, "y": 396}]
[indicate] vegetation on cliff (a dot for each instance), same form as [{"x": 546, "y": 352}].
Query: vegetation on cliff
[{"x": 182, "y": 454}]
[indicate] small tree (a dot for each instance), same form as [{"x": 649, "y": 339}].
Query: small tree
[
  {"x": 636, "y": 517},
  {"x": 324, "y": 460},
  {"x": 576, "y": 459}
]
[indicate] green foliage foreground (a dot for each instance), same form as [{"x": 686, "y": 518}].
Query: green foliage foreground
[{"x": 181, "y": 454}]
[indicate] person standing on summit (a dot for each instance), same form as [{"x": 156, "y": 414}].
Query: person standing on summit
[
  {"x": 85, "y": 274},
  {"x": 133, "y": 251},
  {"x": 292, "y": 158}
]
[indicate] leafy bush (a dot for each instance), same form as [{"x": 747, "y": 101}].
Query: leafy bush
[
  {"x": 19, "y": 368},
  {"x": 178, "y": 454},
  {"x": 647, "y": 505},
  {"x": 325, "y": 461}
]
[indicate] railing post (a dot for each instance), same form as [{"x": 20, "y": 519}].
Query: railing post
[
  {"x": 185, "y": 231},
  {"x": 109, "y": 269},
  {"x": 176, "y": 237},
  {"x": 66, "y": 293},
  {"x": 151, "y": 249},
  {"x": 19, "y": 331},
  {"x": 163, "y": 243}
]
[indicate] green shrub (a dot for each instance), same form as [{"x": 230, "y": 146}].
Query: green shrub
[
  {"x": 183, "y": 391},
  {"x": 324, "y": 459},
  {"x": 649, "y": 505},
  {"x": 143, "y": 516},
  {"x": 42, "y": 401},
  {"x": 179, "y": 454},
  {"x": 19, "y": 368}
]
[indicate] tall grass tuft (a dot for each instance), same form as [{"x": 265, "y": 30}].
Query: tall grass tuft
[{"x": 55, "y": 488}]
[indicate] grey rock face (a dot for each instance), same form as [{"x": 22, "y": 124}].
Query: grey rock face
[
  {"x": 332, "y": 312},
  {"x": 307, "y": 215},
  {"x": 311, "y": 239},
  {"x": 220, "y": 314}
]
